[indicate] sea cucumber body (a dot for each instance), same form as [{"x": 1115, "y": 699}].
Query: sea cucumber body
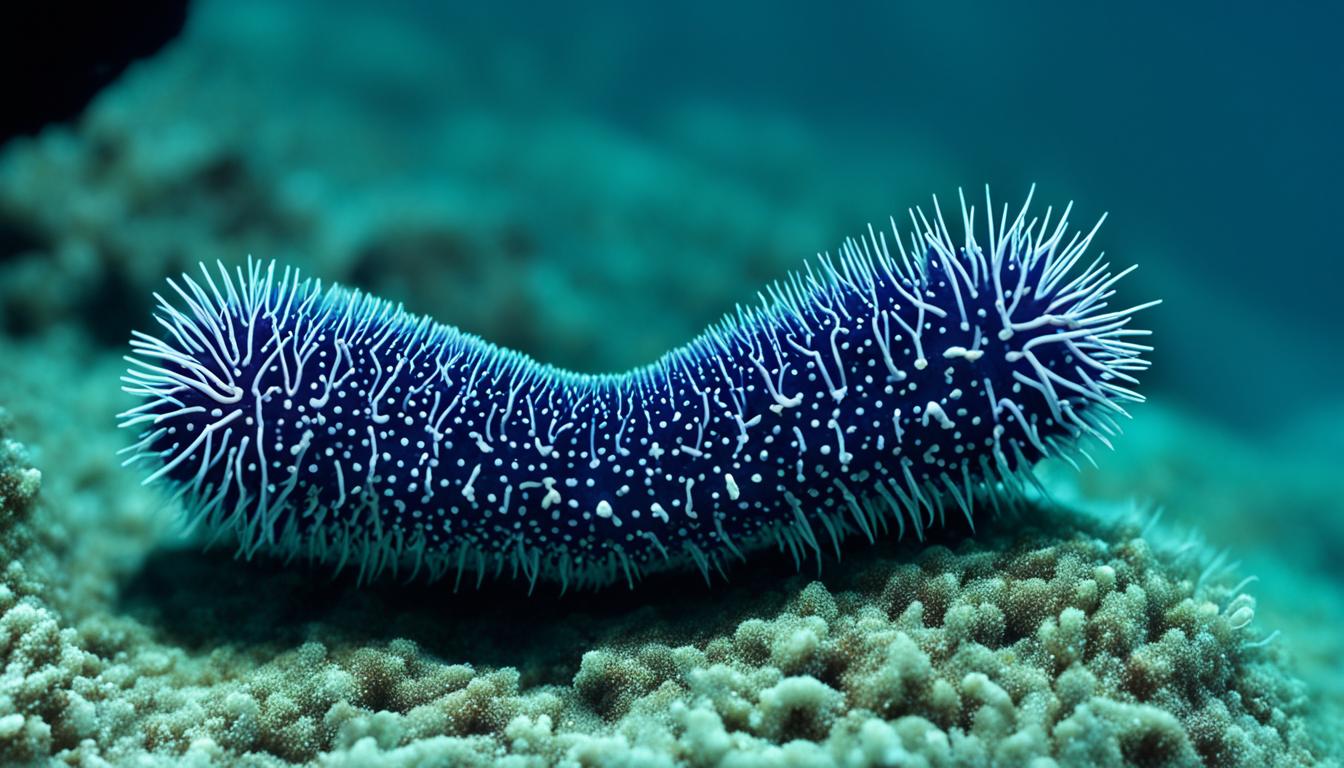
[{"x": 877, "y": 391}]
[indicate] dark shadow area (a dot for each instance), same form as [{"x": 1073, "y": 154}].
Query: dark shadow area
[
  {"x": 199, "y": 600},
  {"x": 67, "y": 52},
  {"x": 17, "y": 237}
]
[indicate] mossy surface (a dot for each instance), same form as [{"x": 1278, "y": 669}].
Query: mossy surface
[
  {"x": 1054, "y": 639},
  {"x": 1049, "y": 638}
]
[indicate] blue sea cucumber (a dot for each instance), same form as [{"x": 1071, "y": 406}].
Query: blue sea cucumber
[{"x": 877, "y": 387}]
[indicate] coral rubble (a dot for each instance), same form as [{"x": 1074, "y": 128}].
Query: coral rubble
[{"x": 1069, "y": 642}]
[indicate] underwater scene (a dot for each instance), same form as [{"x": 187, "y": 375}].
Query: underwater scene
[{"x": 686, "y": 384}]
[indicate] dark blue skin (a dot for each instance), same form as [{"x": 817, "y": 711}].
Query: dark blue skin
[{"x": 461, "y": 427}]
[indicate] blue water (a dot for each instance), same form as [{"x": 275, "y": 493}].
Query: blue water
[
  {"x": 1208, "y": 130},
  {"x": 593, "y": 184}
]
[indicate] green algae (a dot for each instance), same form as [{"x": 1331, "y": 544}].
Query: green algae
[
  {"x": 1054, "y": 639},
  {"x": 1065, "y": 640}
]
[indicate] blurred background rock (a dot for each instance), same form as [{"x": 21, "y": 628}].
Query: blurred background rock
[{"x": 594, "y": 183}]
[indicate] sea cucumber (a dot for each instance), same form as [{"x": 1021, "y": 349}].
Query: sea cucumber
[{"x": 883, "y": 386}]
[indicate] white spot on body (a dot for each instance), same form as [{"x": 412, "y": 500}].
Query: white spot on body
[{"x": 935, "y": 411}]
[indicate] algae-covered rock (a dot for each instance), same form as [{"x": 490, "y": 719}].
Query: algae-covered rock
[
  {"x": 1048, "y": 639},
  {"x": 19, "y": 484},
  {"x": 1072, "y": 643}
]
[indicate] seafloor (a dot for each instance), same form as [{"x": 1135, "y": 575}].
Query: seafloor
[
  {"x": 1062, "y": 635},
  {"x": 1179, "y": 606}
]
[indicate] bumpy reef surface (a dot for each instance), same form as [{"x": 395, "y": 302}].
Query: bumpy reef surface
[{"x": 1053, "y": 636}]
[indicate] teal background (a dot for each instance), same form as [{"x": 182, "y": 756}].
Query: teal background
[
  {"x": 1209, "y": 130},
  {"x": 595, "y": 183}
]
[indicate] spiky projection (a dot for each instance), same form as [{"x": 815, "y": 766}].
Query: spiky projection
[{"x": 880, "y": 388}]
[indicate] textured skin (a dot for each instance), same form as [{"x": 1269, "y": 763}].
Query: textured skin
[{"x": 876, "y": 389}]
